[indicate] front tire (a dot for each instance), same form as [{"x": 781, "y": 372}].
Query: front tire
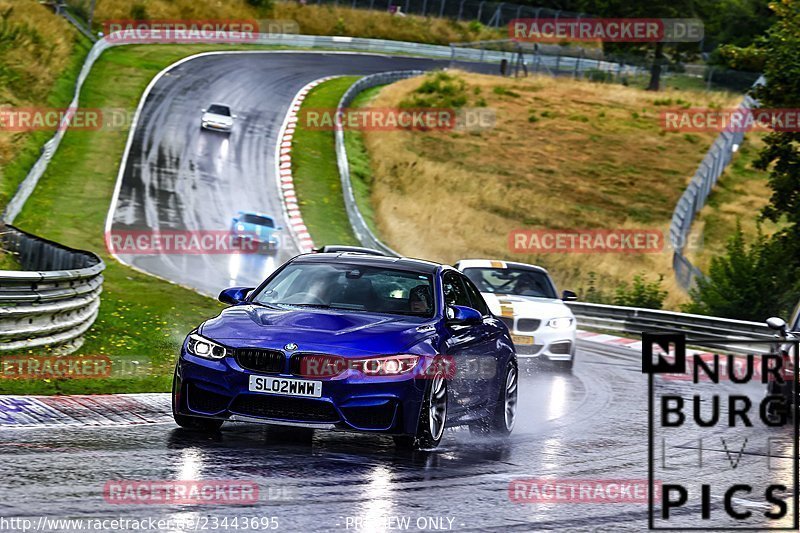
[
  {"x": 501, "y": 422},
  {"x": 432, "y": 418},
  {"x": 195, "y": 423}
]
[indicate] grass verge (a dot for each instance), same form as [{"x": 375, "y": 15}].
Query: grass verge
[
  {"x": 361, "y": 175},
  {"x": 739, "y": 196},
  {"x": 315, "y": 172}
]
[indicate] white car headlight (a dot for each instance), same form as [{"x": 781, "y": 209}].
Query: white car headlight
[
  {"x": 208, "y": 349},
  {"x": 560, "y": 323}
]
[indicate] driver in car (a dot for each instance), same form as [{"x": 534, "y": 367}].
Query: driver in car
[
  {"x": 525, "y": 286},
  {"x": 419, "y": 300}
]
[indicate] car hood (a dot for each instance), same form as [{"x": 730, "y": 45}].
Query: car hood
[
  {"x": 526, "y": 306},
  {"x": 221, "y": 119},
  {"x": 315, "y": 330},
  {"x": 261, "y": 231}
]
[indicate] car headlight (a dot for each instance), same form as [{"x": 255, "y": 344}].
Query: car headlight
[
  {"x": 560, "y": 323},
  {"x": 315, "y": 365},
  {"x": 203, "y": 347}
]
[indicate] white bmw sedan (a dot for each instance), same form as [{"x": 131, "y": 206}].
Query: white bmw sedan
[
  {"x": 217, "y": 117},
  {"x": 525, "y": 298}
]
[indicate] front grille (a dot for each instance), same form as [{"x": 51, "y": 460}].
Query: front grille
[
  {"x": 372, "y": 417},
  {"x": 204, "y": 401},
  {"x": 528, "y": 324},
  {"x": 528, "y": 349},
  {"x": 508, "y": 321},
  {"x": 269, "y": 361},
  {"x": 283, "y": 408}
]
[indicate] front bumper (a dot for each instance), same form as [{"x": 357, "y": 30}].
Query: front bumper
[
  {"x": 210, "y": 126},
  {"x": 219, "y": 389},
  {"x": 547, "y": 343},
  {"x": 257, "y": 244}
]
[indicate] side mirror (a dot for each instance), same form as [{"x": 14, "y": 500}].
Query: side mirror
[
  {"x": 278, "y": 228},
  {"x": 203, "y": 110},
  {"x": 778, "y": 324},
  {"x": 569, "y": 296},
  {"x": 234, "y": 295},
  {"x": 234, "y": 116},
  {"x": 462, "y": 315}
]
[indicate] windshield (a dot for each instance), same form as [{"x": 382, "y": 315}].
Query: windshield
[
  {"x": 350, "y": 288},
  {"x": 258, "y": 221},
  {"x": 216, "y": 109},
  {"x": 519, "y": 281}
]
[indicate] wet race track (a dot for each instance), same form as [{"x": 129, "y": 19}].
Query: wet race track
[
  {"x": 179, "y": 177},
  {"x": 590, "y": 426}
]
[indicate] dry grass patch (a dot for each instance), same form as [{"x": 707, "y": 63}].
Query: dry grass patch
[
  {"x": 740, "y": 195},
  {"x": 35, "y": 49},
  {"x": 564, "y": 154},
  {"x": 311, "y": 19}
]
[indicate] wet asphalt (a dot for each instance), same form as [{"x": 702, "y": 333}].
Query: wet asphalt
[
  {"x": 179, "y": 177},
  {"x": 591, "y": 425}
]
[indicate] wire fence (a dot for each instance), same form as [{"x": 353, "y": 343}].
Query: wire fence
[
  {"x": 511, "y": 58},
  {"x": 520, "y": 59},
  {"x": 492, "y": 14}
]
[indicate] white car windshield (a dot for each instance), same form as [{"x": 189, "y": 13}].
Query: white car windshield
[
  {"x": 217, "y": 109},
  {"x": 519, "y": 281},
  {"x": 258, "y": 221}
]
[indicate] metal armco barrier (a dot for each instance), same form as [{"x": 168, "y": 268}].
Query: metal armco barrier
[
  {"x": 54, "y": 299},
  {"x": 636, "y": 320},
  {"x": 364, "y": 235},
  {"x": 694, "y": 197}
]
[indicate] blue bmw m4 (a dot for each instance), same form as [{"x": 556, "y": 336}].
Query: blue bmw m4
[{"x": 353, "y": 342}]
